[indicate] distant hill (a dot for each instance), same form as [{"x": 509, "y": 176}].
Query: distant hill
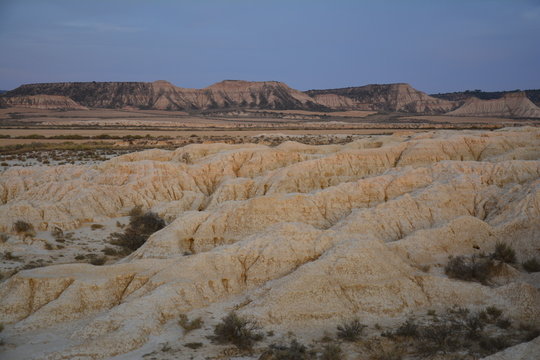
[
  {"x": 163, "y": 95},
  {"x": 382, "y": 97},
  {"x": 515, "y": 104},
  {"x": 461, "y": 96},
  {"x": 238, "y": 94}
]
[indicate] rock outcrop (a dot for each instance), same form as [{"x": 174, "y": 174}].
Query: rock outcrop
[
  {"x": 299, "y": 237},
  {"x": 46, "y": 102},
  {"x": 162, "y": 95},
  {"x": 235, "y": 94},
  {"x": 510, "y": 105},
  {"x": 386, "y": 97}
]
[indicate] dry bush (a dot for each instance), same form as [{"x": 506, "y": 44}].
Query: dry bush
[
  {"x": 188, "y": 325},
  {"x": 136, "y": 211},
  {"x": 331, "y": 352},
  {"x": 98, "y": 260},
  {"x": 294, "y": 351},
  {"x": 504, "y": 253},
  {"x": 96, "y": 226},
  {"x": 24, "y": 228},
  {"x": 236, "y": 330},
  {"x": 475, "y": 268},
  {"x": 138, "y": 231},
  {"x": 531, "y": 265},
  {"x": 350, "y": 331}
]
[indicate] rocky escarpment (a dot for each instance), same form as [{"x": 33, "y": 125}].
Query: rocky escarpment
[
  {"x": 47, "y": 102},
  {"x": 300, "y": 237},
  {"x": 462, "y": 96},
  {"x": 234, "y": 94},
  {"x": 510, "y": 105},
  {"x": 386, "y": 97},
  {"x": 163, "y": 95}
]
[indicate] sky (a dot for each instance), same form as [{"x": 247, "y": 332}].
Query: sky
[{"x": 435, "y": 45}]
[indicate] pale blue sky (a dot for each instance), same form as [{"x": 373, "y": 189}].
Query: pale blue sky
[{"x": 436, "y": 45}]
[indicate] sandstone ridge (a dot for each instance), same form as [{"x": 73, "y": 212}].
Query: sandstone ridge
[{"x": 510, "y": 105}]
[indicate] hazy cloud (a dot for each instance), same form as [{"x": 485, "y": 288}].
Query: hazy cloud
[{"x": 101, "y": 27}]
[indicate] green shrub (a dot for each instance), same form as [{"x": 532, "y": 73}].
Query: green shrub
[
  {"x": 350, "y": 331},
  {"x": 236, "y": 330},
  {"x": 531, "y": 265},
  {"x": 504, "y": 253}
]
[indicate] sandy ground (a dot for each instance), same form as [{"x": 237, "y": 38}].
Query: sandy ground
[{"x": 465, "y": 119}]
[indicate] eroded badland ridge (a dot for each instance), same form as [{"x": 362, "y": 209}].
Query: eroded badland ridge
[
  {"x": 300, "y": 238},
  {"x": 270, "y": 95}
]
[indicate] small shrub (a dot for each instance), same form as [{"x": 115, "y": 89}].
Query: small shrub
[
  {"x": 139, "y": 230},
  {"x": 96, "y": 226},
  {"x": 238, "y": 331},
  {"x": 8, "y": 255},
  {"x": 350, "y": 331},
  {"x": 136, "y": 211},
  {"x": 48, "y": 246},
  {"x": 111, "y": 251},
  {"x": 493, "y": 312},
  {"x": 392, "y": 353},
  {"x": 80, "y": 257},
  {"x": 494, "y": 344},
  {"x": 3, "y": 237},
  {"x": 504, "y": 253},
  {"x": 194, "y": 345},
  {"x": 23, "y": 227},
  {"x": 474, "y": 268},
  {"x": 409, "y": 328},
  {"x": 503, "y": 323},
  {"x": 188, "y": 325},
  {"x": 295, "y": 351},
  {"x": 100, "y": 260},
  {"x": 331, "y": 352},
  {"x": 57, "y": 233},
  {"x": 531, "y": 265}
]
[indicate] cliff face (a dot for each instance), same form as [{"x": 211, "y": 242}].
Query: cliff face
[
  {"x": 510, "y": 105},
  {"x": 229, "y": 94},
  {"x": 462, "y": 96},
  {"x": 162, "y": 95},
  {"x": 388, "y": 97},
  {"x": 47, "y": 102}
]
